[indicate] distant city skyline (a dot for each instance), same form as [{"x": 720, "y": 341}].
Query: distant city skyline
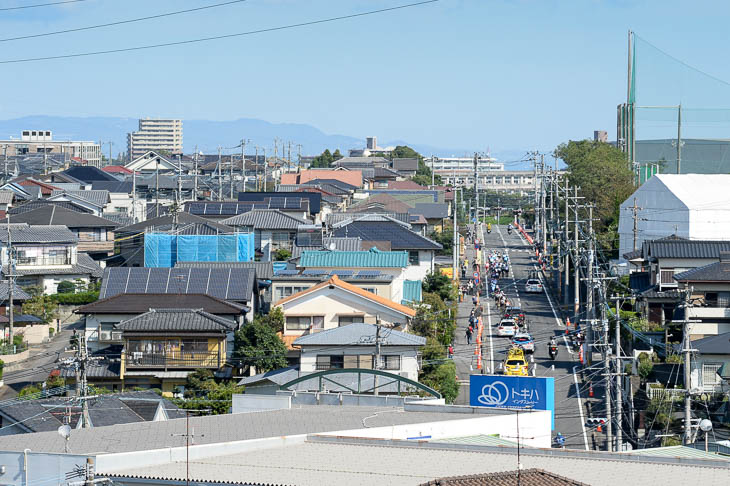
[{"x": 508, "y": 76}]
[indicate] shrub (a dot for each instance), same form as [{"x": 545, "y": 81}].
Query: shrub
[
  {"x": 645, "y": 368},
  {"x": 2, "y": 365},
  {"x": 76, "y": 299},
  {"x": 66, "y": 287},
  {"x": 282, "y": 255}
]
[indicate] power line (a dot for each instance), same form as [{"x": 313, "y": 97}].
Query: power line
[
  {"x": 218, "y": 37},
  {"x": 121, "y": 22},
  {"x": 40, "y": 5}
]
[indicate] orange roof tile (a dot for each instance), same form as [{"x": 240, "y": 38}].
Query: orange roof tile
[{"x": 335, "y": 280}]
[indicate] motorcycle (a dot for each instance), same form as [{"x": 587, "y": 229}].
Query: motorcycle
[
  {"x": 553, "y": 351},
  {"x": 509, "y": 231}
]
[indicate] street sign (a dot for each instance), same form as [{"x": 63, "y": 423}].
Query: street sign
[{"x": 519, "y": 392}]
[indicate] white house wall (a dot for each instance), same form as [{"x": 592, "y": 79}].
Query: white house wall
[{"x": 408, "y": 361}]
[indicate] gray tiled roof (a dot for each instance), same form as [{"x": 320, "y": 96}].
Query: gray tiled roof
[
  {"x": 341, "y": 244},
  {"x": 714, "y": 272},
  {"x": 40, "y": 203},
  {"x": 50, "y": 214},
  {"x": 719, "y": 344},
  {"x": 85, "y": 265},
  {"x": 24, "y": 233},
  {"x": 139, "y": 303},
  {"x": 408, "y": 163},
  {"x": 265, "y": 219},
  {"x": 164, "y": 223},
  {"x": 96, "y": 197},
  {"x": 359, "y": 334},
  {"x": 681, "y": 248},
  {"x": 18, "y": 293},
  {"x": 170, "y": 320}
]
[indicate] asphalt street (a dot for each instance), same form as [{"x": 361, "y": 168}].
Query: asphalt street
[{"x": 543, "y": 322}]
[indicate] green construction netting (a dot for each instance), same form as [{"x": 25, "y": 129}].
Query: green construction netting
[{"x": 660, "y": 85}]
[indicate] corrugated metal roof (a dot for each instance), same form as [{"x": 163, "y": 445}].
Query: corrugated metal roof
[
  {"x": 359, "y": 334},
  {"x": 355, "y": 259},
  {"x": 485, "y": 440},
  {"x": 678, "y": 451},
  {"x": 265, "y": 219},
  {"x": 169, "y": 320},
  {"x": 412, "y": 290}
]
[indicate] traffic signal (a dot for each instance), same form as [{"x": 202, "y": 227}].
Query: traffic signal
[{"x": 597, "y": 422}]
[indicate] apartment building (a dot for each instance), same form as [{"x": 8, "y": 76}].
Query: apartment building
[
  {"x": 40, "y": 141},
  {"x": 155, "y": 134}
]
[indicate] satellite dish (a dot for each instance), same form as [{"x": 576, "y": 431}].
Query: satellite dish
[
  {"x": 64, "y": 431},
  {"x": 333, "y": 247}
]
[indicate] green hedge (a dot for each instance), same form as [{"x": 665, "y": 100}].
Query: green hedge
[{"x": 76, "y": 299}]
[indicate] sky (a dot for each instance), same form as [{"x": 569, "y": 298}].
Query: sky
[{"x": 466, "y": 74}]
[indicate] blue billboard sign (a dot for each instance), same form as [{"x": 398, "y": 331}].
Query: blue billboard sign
[{"x": 521, "y": 392}]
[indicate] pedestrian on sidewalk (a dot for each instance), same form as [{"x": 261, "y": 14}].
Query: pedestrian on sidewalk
[
  {"x": 451, "y": 352},
  {"x": 469, "y": 332}
]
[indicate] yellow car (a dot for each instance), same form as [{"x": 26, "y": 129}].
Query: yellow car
[{"x": 515, "y": 364}]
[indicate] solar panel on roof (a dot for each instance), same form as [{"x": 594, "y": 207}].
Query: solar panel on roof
[
  {"x": 286, "y": 272},
  {"x": 236, "y": 286},
  {"x": 177, "y": 283},
  {"x": 293, "y": 203},
  {"x": 342, "y": 273},
  {"x": 116, "y": 281},
  {"x": 229, "y": 208},
  {"x": 198, "y": 281},
  {"x": 218, "y": 282},
  {"x": 137, "y": 281},
  {"x": 197, "y": 208},
  {"x": 314, "y": 271},
  {"x": 157, "y": 281},
  {"x": 368, "y": 273},
  {"x": 277, "y": 202}
]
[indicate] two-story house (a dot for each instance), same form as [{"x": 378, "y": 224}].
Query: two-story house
[
  {"x": 101, "y": 317},
  {"x": 44, "y": 256},
  {"x": 163, "y": 346},
  {"x": 95, "y": 235}
]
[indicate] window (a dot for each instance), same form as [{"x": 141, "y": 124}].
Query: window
[
  {"x": 709, "y": 374},
  {"x": 330, "y": 362},
  {"x": 345, "y": 320},
  {"x": 717, "y": 299},
  {"x": 667, "y": 277},
  {"x": 413, "y": 258},
  {"x": 364, "y": 361},
  {"x": 317, "y": 322},
  {"x": 372, "y": 290},
  {"x": 390, "y": 362},
  {"x": 298, "y": 323},
  {"x": 194, "y": 346},
  {"x": 286, "y": 291}
]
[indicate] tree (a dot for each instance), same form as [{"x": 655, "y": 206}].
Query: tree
[
  {"x": 604, "y": 177},
  {"x": 40, "y": 305},
  {"x": 257, "y": 344},
  {"x": 202, "y": 391},
  {"x": 326, "y": 158},
  {"x": 274, "y": 319},
  {"x": 443, "y": 380},
  {"x": 446, "y": 238},
  {"x": 434, "y": 319},
  {"x": 282, "y": 255},
  {"x": 66, "y": 287},
  {"x": 438, "y": 283}
]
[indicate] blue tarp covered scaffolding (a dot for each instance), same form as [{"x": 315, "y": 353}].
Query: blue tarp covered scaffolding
[{"x": 164, "y": 249}]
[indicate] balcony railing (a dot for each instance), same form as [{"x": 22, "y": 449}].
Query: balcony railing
[{"x": 175, "y": 359}]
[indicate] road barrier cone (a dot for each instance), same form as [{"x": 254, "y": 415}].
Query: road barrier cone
[
  {"x": 567, "y": 322},
  {"x": 580, "y": 355},
  {"x": 599, "y": 428},
  {"x": 567, "y": 331},
  {"x": 590, "y": 390}
]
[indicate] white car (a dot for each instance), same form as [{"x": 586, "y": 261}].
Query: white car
[
  {"x": 507, "y": 327},
  {"x": 524, "y": 340},
  {"x": 533, "y": 286}
]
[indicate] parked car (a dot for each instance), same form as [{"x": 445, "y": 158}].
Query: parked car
[
  {"x": 507, "y": 327},
  {"x": 533, "y": 286},
  {"x": 524, "y": 341},
  {"x": 515, "y": 364}
]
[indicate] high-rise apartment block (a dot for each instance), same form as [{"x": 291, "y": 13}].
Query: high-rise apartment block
[{"x": 155, "y": 134}]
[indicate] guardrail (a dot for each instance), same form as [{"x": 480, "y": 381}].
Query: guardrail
[{"x": 524, "y": 233}]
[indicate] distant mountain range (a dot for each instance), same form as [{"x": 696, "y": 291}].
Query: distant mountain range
[{"x": 207, "y": 135}]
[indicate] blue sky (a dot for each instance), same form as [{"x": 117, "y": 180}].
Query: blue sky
[{"x": 467, "y": 74}]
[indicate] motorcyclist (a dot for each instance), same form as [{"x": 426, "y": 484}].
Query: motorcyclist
[
  {"x": 509, "y": 228},
  {"x": 553, "y": 348},
  {"x": 559, "y": 440},
  {"x": 489, "y": 227}
]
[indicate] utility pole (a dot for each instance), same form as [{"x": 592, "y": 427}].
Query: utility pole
[
  {"x": 299, "y": 157},
  {"x": 256, "y": 147},
  {"x": 535, "y": 201},
  {"x": 576, "y": 272},
  {"x": 157, "y": 187},
  {"x": 5, "y": 158},
  {"x": 195, "y": 177},
  {"x": 455, "y": 246},
  {"x": 110, "y": 152},
  {"x": 265, "y": 164},
  {"x": 543, "y": 194},
  {"x": 476, "y": 189},
  {"x": 635, "y": 211},
  {"x": 607, "y": 377},
  {"x": 11, "y": 276},
  {"x": 566, "y": 280},
  {"x": 220, "y": 176},
  {"x": 687, "y": 371},
  {"x": 433, "y": 177},
  {"x": 590, "y": 291},
  {"x": 134, "y": 195},
  {"x": 619, "y": 377},
  {"x": 288, "y": 157},
  {"x": 376, "y": 365}
]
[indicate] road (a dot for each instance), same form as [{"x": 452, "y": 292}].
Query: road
[{"x": 543, "y": 322}]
